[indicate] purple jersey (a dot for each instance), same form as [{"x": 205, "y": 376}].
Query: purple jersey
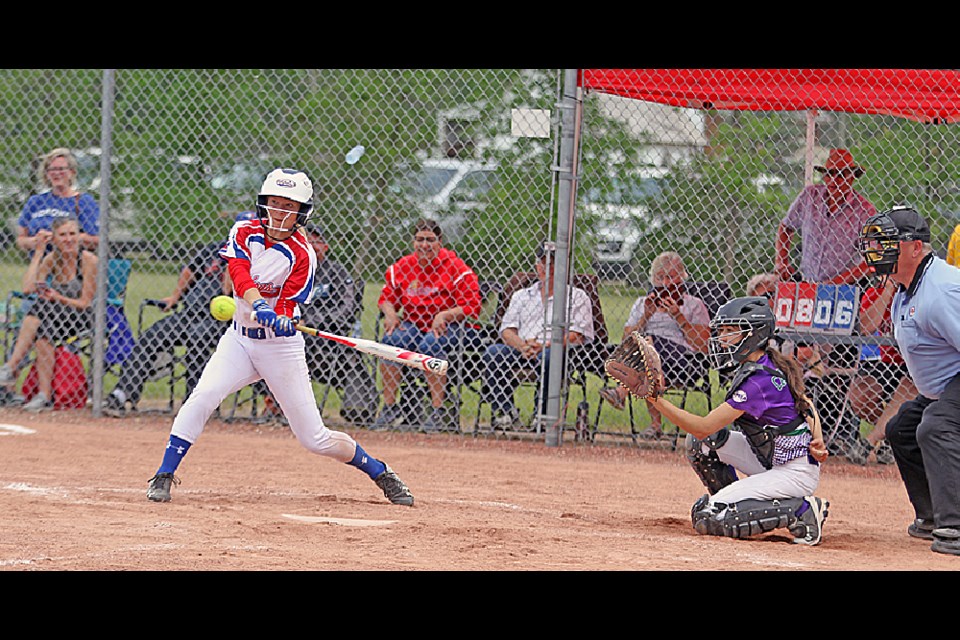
[{"x": 767, "y": 399}]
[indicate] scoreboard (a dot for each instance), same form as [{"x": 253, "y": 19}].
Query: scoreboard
[{"x": 815, "y": 307}]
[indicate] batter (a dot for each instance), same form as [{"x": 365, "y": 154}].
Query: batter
[{"x": 272, "y": 267}]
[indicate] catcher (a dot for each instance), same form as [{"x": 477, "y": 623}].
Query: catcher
[{"x": 767, "y": 429}]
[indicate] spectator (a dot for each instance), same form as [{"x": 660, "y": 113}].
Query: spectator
[
  {"x": 828, "y": 217},
  {"x": 191, "y": 326},
  {"x": 333, "y": 309},
  {"x": 953, "y": 248},
  {"x": 925, "y": 312},
  {"x": 883, "y": 383},
  {"x": 679, "y": 324},
  {"x": 763, "y": 284},
  {"x": 426, "y": 300},
  {"x": 65, "y": 281},
  {"x": 524, "y": 334},
  {"x": 58, "y": 172}
]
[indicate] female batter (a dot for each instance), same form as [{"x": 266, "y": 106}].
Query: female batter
[
  {"x": 777, "y": 445},
  {"x": 272, "y": 268}
]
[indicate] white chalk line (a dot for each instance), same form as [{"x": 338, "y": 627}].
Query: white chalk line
[
  {"x": 15, "y": 430},
  {"x": 347, "y": 522}
]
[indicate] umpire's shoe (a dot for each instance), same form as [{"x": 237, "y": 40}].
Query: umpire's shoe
[
  {"x": 946, "y": 540},
  {"x": 808, "y": 529},
  {"x": 159, "y": 490},
  {"x": 392, "y": 486},
  {"x": 921, "y": 528}
]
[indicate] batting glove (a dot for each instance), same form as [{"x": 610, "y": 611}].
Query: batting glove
[
  {"x": 284, "y": 327},
  {"x": 265, "y": 316}
]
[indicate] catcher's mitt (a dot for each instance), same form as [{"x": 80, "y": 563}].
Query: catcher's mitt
[{"x": 635, "y": 364}]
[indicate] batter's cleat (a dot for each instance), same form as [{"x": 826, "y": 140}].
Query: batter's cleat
[
  {"x": 921, "y": 528},
  {"x": 393, "y": 488},
  {"x": 808, "y": 528},
  {"x": 390, "y": 417},
  {"x": 114, "y": 407},
  {"x": 159, "y": 490},
  {"x": 946, "y": 540}
]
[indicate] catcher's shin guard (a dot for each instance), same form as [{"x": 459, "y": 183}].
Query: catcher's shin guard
[
  {"x": 713, "y": 473},
  {"x": 745, "y": 518}
]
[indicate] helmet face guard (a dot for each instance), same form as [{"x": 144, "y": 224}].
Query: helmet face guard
[
  {"x": 752, "y": 322},
  {"x": 285, "y": 183},
  {"x": 879, "y": 244}
]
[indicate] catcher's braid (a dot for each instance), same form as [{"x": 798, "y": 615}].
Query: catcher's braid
[{"x": 636, "y": 366}]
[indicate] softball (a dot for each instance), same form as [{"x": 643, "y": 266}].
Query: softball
[{"x": 222, "y": 308}]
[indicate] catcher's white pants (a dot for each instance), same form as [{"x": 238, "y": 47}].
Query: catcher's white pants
[
  {"x": 281, "y": 362},
  {"x": 794, "y": 479}
]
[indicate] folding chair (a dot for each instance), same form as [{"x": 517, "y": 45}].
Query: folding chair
[
  {"x": 714, "y": 294},
  {"x": 580, "y": 362}
]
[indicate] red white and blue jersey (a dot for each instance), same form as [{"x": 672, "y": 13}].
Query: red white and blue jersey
[{"x": 283, "y": 272}]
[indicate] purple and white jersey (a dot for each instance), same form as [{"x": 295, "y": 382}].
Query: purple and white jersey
[{"x": 766, "y": 399}]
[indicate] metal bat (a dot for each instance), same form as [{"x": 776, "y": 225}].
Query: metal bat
[{"x": 394, "y": 354}]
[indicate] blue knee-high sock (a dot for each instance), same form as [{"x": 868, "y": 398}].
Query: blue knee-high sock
[
  {"x": 173, "y": 454},
  {"x": 367, "y": 463}
]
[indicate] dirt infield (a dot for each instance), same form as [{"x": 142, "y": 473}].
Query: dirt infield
[{"x": 72, "y": 497}]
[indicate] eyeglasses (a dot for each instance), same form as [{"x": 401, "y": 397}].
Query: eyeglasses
[
  {"x": 425, "y": 238},
  {"x": 838, "y": 172}
]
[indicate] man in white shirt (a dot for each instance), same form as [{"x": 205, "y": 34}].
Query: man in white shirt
[{"x": 525, "y": 337}]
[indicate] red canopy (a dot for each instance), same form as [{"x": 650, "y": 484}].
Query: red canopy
[{"x": 924, "y": 95}]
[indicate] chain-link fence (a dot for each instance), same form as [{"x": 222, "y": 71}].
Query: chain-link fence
[{"x": 480, "y": 151}]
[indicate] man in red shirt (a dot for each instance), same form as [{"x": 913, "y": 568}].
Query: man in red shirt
[{"x": 427, "y": 298}]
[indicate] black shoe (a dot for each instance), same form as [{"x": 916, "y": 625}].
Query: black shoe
[
  {"x": 921, "y": 528},
  {"x": 946, "y": 540},
  {"x": 393, "y": 488},
  {"x": 159, "y": 490}
]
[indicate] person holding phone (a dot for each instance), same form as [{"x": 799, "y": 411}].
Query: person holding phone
[{"x": 679, "y": 324}]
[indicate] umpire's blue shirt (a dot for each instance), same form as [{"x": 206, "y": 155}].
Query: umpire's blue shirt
[{"x": 926, "y": 325}]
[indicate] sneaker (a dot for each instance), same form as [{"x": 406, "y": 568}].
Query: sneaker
[
  {"x": 114, "y": 407},
  {"x": 40, "y": 402},
  {"x": 392, "y": 487},
  {"x": 159, "y": 490},
  {"x": 506, "y": 419},
  {"x": 809, "y": 527},
  {"x": 610, "y": 395},
  {"x": 884, "y": 453},
  {"x": 436, "y": 421},
  {"x": 858, "y": 451},
  {"x": 6, "y": 375},
  {"x": 921, "y": 528},
  {"x": 946, "y": 540},
  {"x": 390, "y": 417}
]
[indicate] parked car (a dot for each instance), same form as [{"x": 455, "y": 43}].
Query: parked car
[{"x": 447, "y": 190}]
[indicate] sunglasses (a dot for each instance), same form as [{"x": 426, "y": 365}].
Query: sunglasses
[{"x": 425, "y": 238}]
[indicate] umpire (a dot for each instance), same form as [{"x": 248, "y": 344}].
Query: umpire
[{"x": 925, "y": 433}]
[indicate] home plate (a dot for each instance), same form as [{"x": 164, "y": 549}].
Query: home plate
[{"x": 346, "y": 522}]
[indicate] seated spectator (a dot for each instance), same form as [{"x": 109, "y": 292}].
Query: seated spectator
[
  {"x": 883, "y": 382},
  {"x": 58, "y": 172},
  {"x": 191, "y": 326},
  {"x": 65, "y": 281},
  {"x": 525, "y": 338},
  {"x": 426, "y": 301},
  {"x": 679, "y": 324}
]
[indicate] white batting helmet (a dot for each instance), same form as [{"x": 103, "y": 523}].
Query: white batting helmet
[{"x": 286, "y": 183}]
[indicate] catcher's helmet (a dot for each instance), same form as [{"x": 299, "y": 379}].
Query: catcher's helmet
[
  {"x": 755, "y": 325},
  {"x": 882, "y": 233},
  {"x": 286, "y": 183}
]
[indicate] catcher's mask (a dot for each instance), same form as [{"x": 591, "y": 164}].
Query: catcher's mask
[
  {"x": 882, "y": 233},
  {"x": 753, "y": 322},
  {"x": 285, "y": 183}
]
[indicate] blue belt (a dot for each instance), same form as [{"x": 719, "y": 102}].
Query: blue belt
[{"x": 254, "y": 333}]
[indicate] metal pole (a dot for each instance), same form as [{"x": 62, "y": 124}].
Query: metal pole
[
  {"x": 103, "y": 247},
  {"x": 567, "y": 174}
]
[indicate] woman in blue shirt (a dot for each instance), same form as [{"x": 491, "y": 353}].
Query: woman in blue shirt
[{"x": 58, "y": 172}]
